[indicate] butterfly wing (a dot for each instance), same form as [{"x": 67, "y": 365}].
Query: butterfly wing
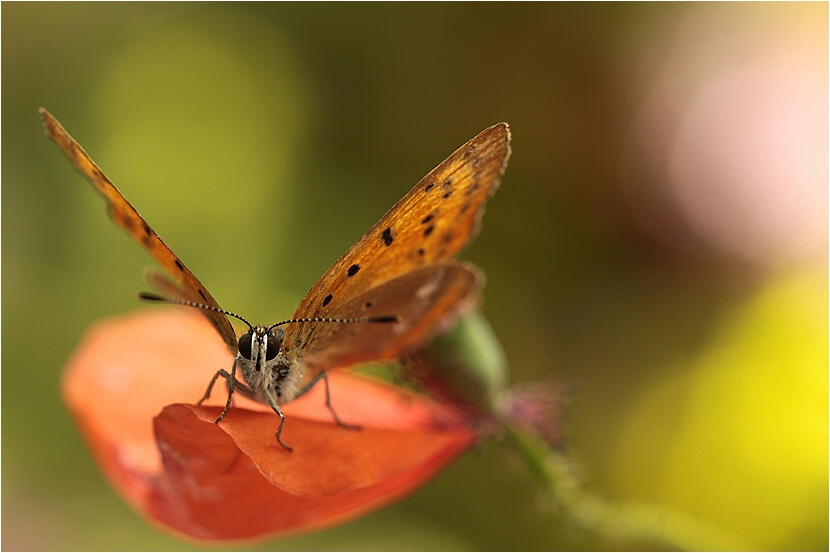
[
  {"x": 437, "y": 218},
  {"x": 425, "y": 300},
  {"x": 434, "y": 221},
  {"x": 126, "y": 217}
]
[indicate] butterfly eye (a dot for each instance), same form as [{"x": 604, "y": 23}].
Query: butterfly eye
[
  {"x": 245, "y": 345},
  {"x": 274, "y": 343}
]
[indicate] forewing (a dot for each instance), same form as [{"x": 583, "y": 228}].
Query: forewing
[
  {"x": 425, "y": 300},
  {"x": 435, "y": 220},
  {"x": 126, "y": 217}
]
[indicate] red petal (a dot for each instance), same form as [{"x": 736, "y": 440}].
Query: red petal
[
  {"x": 211, "y": 490},
  {"x": 234, "y": 481}
]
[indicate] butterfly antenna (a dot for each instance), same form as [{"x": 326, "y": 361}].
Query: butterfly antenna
[
  {"x": 381, "y": 319},
  {"x": 149, "y": 296}
]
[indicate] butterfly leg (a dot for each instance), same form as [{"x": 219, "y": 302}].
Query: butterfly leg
[
  {"x": 231, "y": 380},
  {"x": 325, "y": 377},
  {"x": 278, "y": 411}
]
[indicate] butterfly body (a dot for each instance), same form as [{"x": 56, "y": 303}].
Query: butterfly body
[
  {"x": 388, "y": 294},
  {"x": 261, "y": 365}
]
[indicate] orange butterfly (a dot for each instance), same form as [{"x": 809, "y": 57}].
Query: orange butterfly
[{"x": 388, "y": 294}]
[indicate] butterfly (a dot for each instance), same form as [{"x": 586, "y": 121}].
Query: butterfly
[{"x": 388, "y": 294}]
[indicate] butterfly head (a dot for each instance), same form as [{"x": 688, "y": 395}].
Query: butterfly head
[
  {"x": 262, "y": 366},
  {"x": 261, "y": 344}
]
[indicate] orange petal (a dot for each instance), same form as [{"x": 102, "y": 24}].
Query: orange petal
[
  {"x": 124, "y": 372},
  {"x": 211, "y": 490},
  {"x": 233, "y": 480}
]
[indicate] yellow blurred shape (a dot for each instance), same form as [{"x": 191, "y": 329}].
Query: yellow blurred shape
[{"x": 739, "y": 438}]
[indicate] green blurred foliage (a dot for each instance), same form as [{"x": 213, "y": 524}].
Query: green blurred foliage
[{"x": 261, "y": 140}]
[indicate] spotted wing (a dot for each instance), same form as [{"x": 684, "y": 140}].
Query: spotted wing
[
  {"x": 426, "y": 300},
  {"x": 126, "y": 217},
  {"x": 435, "y": 220}
]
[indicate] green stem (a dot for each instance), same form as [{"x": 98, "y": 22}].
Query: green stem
[{"x": 632, "y": 525}]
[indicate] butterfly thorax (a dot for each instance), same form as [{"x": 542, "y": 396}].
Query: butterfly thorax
[{"x": 264, "y": 368}]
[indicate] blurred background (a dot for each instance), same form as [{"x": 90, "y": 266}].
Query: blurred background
[{"x": 659, "y": 243}]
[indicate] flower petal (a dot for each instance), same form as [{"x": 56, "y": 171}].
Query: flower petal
[
  {"x": 328, "y": 459},
  {"x": 233, "y": 480},
  {"x": 211, "y": 490}
]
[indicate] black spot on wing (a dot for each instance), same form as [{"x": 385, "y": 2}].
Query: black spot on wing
[
  {"x": 387, "y": 236},
  {"x": 353, "y": 270},
  {"x": 429, "y": 187},
  {"x": 428, "y": 218},
  {"x": 428, "y": 230},
  {"x": 326, "y": 300},
  {"x": 147, "y": 236}
]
